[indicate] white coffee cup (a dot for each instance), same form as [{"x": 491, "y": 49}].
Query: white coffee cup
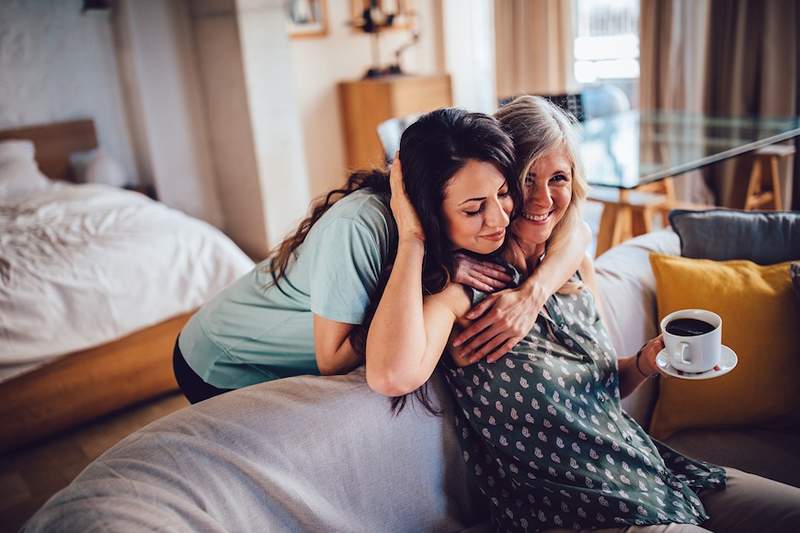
[{"x": 695, "y": 353}]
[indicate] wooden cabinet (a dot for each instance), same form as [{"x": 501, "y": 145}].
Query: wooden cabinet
[{"x": 367, "y": 103}]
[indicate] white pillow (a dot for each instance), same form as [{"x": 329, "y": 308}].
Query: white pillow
[
  {"x": 19, "y": 175},
  {"x": 97, "y": 166},
  {"x": 16, "y": 149}
]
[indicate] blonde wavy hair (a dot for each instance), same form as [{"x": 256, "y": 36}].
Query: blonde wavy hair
[{"x": 538, "y": 126}]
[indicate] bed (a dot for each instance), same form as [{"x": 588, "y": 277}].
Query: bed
[{"x": 95, "y": 284}]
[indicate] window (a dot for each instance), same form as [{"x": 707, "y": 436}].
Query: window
[{"x": 606, "y": 46}]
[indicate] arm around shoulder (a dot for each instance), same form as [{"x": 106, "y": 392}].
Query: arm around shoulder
[{"x": 401, "y": 354}]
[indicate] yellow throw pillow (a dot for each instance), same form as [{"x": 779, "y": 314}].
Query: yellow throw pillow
[{"x": 760, "y": 322}]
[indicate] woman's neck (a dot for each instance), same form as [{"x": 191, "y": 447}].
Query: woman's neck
[{"x": 525, "y": 255}]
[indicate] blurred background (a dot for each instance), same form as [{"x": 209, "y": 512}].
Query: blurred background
[{"x": 239, "y": 112}]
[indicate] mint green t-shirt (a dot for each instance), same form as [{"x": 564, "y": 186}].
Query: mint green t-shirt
[{"x": 253, "y": 331}]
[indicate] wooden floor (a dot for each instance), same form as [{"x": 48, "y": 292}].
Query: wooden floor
[{"x": 28, "y": 477}]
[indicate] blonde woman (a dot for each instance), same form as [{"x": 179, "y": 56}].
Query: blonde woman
[{"x": 542, "y": 430}]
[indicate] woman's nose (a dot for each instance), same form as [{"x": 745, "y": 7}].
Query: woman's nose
[
  {"x": 496, "y": 216},
  {"x": 539, "y": 197}
]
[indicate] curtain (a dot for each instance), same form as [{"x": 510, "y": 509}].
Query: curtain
[
  {"x": 533, "y": 46},
  {"x": 727, "y": 58},
  {"x": 673, "y": 40},
  {"x": 754, "y": 68}
]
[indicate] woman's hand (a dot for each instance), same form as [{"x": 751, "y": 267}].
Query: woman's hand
[
  {"x": 482, "y": 275},
  {"x": 505, "y": 318},
  {"x": 647, "y": 365},
  {"x": 633, "y": 371},
  {"x": 408, "y": 224}
]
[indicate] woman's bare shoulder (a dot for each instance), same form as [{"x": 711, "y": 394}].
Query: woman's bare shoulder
[
  {"x": 455, "y": 297},
  {"x": 586, "y": 269}
]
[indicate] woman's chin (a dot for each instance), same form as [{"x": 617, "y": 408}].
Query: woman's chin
[
  {"x": 486, "y": 247},
  {"x": 530, "y": 233}
]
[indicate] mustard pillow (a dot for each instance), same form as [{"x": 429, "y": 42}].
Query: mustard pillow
[{"x": 760, "y": 322}]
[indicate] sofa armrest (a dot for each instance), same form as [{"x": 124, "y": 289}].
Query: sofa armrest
[{"x": 628, "y": 291}]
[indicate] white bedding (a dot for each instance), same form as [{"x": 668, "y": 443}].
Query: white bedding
[{"x": 81, "y": 265}]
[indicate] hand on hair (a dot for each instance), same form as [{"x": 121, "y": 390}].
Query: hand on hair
[
  {"x": 408, "y": 224},
  {"x": 481, "y": 275},
  {"x": 505, "y": 318}
]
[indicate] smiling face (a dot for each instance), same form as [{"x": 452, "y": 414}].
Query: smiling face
[
  {"x": 548, "y": 191},
  {"x": 476, "y": 207}
]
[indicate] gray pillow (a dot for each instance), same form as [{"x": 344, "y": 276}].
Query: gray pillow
[{"x": 764, "y": 237}]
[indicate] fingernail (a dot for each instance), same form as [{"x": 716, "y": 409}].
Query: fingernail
[{"x": 456, "y": 343}]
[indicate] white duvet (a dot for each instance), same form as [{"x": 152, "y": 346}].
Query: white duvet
[{"x": 81, "y": 265}]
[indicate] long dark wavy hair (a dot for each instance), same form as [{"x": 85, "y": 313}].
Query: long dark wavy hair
[{"x": 432, "y": 150}]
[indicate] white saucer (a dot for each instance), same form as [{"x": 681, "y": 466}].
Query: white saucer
[{"x": 728, "y": 361}]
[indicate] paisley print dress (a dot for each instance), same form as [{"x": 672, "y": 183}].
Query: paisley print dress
[{"x": 544, "y": 435}]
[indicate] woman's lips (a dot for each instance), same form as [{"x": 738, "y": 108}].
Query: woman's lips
[
  {"x": 538, "y": 219},
  {"x": 497, "y": 236}
]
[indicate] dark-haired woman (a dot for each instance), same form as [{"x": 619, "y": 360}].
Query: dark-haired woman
[{"x": 302, "y": 311}]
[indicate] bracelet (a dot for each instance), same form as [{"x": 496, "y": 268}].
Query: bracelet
[{"x": 638, "y": 354}]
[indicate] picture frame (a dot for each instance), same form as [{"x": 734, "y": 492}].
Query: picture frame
[
  {"x": 306, "y": 18},
  {"x": 405, "y": 9}
]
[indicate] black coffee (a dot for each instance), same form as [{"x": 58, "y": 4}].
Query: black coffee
[{"x": 688, "y": 327}]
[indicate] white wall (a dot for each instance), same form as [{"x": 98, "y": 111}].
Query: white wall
[
  {"x": 255, "y": 136},
  {"x": 468, "y": 27},
  {"x": 57, "y": 64},
  {"x": 274, "y": 118},
  {"x": 320, "y": 63},
  {"x": 162, "y": 87}
]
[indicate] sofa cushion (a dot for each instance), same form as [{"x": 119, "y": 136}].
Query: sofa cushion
[
  {"x": 724, "y": 234},
  {"x": 769, "y": 453},
  {"x": 759, "y": 322}
]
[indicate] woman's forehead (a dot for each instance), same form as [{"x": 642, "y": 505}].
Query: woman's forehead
[
  {"x": 555, "y": 159},
  {"x": 474, "y": 179}
]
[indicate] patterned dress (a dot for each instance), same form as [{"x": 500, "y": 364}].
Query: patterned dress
[{"x": 543, "y": 432}]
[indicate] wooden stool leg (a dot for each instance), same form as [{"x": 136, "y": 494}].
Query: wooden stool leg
[
  {"x": 608, "y": 227},
  {"x": 753, "y": 186},
  {"x": 777, "y": 200},
  {"x": 642, "y": 221},
  {"x": 615, "y": 227},
  {"x": 624, "y": 225}
]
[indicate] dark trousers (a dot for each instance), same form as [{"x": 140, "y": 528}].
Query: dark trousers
[{"x": 192, "y": 386}]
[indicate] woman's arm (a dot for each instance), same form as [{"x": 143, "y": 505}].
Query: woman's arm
[
  {"x": 634, "y": 370},
  {"x": 407, "y": 335},
  {"x": 335, "y": 354},
  {"x": 507, "y": 316}
]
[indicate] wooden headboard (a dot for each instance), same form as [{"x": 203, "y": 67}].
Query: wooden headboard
[{"x": 55, "y": 142}]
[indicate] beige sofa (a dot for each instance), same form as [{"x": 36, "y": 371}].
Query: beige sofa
[{"x": 326, "y": 454}]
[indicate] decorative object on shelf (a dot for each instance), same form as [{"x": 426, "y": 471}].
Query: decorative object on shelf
[
  {"x": 396, "y": 68},
  {"x": 307, "y": 18},
  {"x": 377, "y": 16}
]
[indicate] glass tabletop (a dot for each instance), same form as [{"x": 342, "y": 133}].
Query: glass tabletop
[{"x": 638, "y": 147}]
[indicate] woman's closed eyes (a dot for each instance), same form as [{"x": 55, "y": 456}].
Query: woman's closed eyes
[{"x": 503, "y": 193}]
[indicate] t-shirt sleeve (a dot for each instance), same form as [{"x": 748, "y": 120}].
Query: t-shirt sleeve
[{"x": 345, "y": 271}]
